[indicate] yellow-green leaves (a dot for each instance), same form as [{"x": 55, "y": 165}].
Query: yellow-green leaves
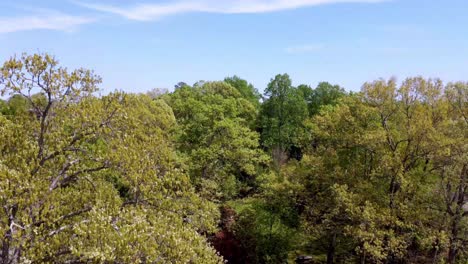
[
  {"x": 88, "y": 179},
  {"x": 387, "y": 169}
]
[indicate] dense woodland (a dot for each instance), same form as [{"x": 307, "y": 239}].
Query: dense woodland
[{"x": 216, "y": 171}]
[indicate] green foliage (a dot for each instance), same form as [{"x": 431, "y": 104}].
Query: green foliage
[
  {"x": 246, "y": 89},
  {"x": 282, "y": 117},
  {"x": 16, "y": 105},
  {"x": 376, "y": 155},
  {"x": 86, "y": 179},
  {"x": 220, "y": 149},
  {"x": 263, "y": 230},
  {"x": 374, "y": 177},
  {"x": 324, "y": 94}
]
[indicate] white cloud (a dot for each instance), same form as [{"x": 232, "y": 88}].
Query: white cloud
[
  {"x": 45, "y": 20},
  {"x": 304, "y": 48},
  {"x": 153, "y": 11}
]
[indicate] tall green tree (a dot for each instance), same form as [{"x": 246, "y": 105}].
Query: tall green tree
[
  {"x": 246, "y": 89},
  {"x": 282, "y": 116},
  {"x": 324, "y": 94},
  {"x": 221, "y": 150}
]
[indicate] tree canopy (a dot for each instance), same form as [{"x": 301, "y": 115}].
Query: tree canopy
[
  {"x": 215, "y": 172},
  {"x": 87, "y": 179}
]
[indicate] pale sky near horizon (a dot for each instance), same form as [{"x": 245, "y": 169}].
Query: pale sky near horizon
[{"x": 139, "y": 45}]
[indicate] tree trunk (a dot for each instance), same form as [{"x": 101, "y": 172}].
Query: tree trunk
[
  {"x": 457, "y": 217},
  {"x": 363, "y": 258},
  {"x": 6, "y": 256},
  {"x": 331, "y": 249}
]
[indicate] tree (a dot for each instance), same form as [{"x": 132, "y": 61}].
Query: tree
[
  {"x": 180, "y": 85},
  {"x": 306, "y": 91},
  {"x": 221, "y": 151},
  {"x": 86, "y": 179},
  {"x": 246, "y": 89},
  {"x": 282, "y": 116},
  {"x": 388, "y": 173},
  {"x": 324, "y": 94},
  {"x": 16, "y": 105},
  {"x": 268, "y": 224},
  {"x": 157, "y": 92},
  {"x": 452, "y": 166},
  {"x": 336, "y": 160}
]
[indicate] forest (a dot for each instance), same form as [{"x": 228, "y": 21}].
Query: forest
[{"x": 218, "y": 172}]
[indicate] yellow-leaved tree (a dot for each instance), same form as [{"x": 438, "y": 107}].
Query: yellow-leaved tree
[{"x": 92, "y": 179}]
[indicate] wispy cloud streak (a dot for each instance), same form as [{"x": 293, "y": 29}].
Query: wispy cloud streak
[
  {"x": 50, "y": 21},
  {"x": 153, "y": 11}
]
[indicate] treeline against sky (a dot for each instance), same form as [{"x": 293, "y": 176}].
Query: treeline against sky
[{"x": 216, "y": 171}]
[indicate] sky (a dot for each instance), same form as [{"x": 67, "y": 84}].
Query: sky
[{"x": 136, "y": 46}]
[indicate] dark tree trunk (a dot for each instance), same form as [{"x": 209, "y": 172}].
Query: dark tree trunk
[
  {"x": 331, "y": 249},
  {"x": 457, "y": 216}
]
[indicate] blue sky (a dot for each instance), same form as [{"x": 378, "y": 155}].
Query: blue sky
[{"x": 136, "y": 46}]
